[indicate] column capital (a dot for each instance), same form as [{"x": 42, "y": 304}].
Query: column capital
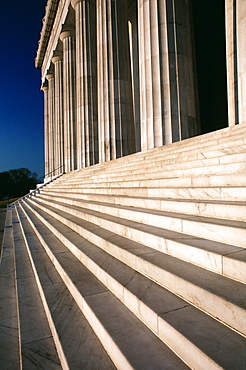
[
  {"x": 44, "y": 86},
  {"x": 57, "y": 56},
  {"x": 66, "y": 32},
  {"x": 49, "y": 76}
]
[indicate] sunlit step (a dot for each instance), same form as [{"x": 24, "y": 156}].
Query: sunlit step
[
  {"x": 233, "y": 210},
  {"x": 165, "y": 314},
  {"x": 188, "y": 281}
]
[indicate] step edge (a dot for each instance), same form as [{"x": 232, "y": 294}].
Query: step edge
[
  {"x": 52, "y": 327},
  {"x": 77, "y": 253},
  {"x": 140, "y": 269}
]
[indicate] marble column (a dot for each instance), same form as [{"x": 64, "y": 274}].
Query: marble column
[
  {"x": 231, "y": 61},
  {"x": 69, "y": 86},
  {"x": 241, "y": 52},
  {"x": 150, "y": 74},
  {"x": 115, "y": 116},
  {"x": 45, "y": 89},
  {"x": 236, "y": 60},
  {"x": 167, "y": 85},
  {"x": 59, "y": 139},
  {"x": 51, "y": 125},
  {"x": 86, "y": 82}
]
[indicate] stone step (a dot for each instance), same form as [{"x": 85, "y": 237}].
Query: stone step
[
  {"x": 225, "y": 155},
  {"x": 208, "y": 180},
  {"x": 215, "y": 256},
  {"x": 35, "y": 334},
  {"x": 155, "y": 165},
  {"x": 166, "y": 174},
  {"x": 9, "y": 321},
  {"x": 166, "y": 170},
  {"x": 82, "y": 350},
  {"x": 158, "y": 308},
  {"x": 206, "y": 193},
  {"x": 148, "y": 249},
  {"x": 108, "y": 216},
  {"x": 109, "y": 318},
  {"x": 173, "y": 152},
  {"x": 232, "y": 149},
  {"x": 232, "y": 210},
  {"x": 204, "y": 143},
  {"x": 212, "y": 138},
  {"x": 214, "y": 294}
]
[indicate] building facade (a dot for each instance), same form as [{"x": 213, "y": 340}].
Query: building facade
[
  {"x": 139, "y": 262},
  {"x": 120, "y": 77}
]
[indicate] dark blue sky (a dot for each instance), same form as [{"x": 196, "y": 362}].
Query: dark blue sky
[{"x": 21, "y": 101}]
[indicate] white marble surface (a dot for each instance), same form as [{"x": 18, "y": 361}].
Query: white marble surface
[
  {"x": 83, "y": 349},
  {"x": 144, "y": 309},
  {"x": 133, "y": 263},
  {"x": 157, "y": 229},
  {"x": 92, "y": 291},
  {"x": 37, "y": 344},
  {"x": 9, "y": 341},
  {"x": 173, "y": 281}
]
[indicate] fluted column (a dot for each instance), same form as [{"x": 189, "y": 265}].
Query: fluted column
[
  {"x": 45, "y": 89},
  {"x": 150, "y": 74},
  {"x": 241, "y": 47},
  {"x": 231, "y": 60},
  {"x": 59, "y": 139},
  {"x": 167, "y": 87},
  {"x": 51, "y": 125},
  {"x": 70, "y": 155},
  {"x": 116, "y": 125},
  {"x": 236, "y": 60},
  {"x": 241, "y": 54},
  {"x": 86, "y": 83}
]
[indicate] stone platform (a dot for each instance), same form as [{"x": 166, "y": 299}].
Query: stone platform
[{"x": 137, "y": 263}]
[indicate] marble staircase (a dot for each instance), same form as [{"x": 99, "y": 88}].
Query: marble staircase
[{"x": 137, "y": 263}]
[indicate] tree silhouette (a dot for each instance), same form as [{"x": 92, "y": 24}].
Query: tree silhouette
[{"x": 16, "y": 183}]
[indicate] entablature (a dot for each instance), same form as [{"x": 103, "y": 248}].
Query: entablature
[{"x": 55, "y": 16}]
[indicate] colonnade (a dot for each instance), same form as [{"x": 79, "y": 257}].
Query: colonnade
[{"x": 121, "y": 79}]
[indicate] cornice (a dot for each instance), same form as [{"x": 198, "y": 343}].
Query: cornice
[{"x": 48, "y": 21}]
